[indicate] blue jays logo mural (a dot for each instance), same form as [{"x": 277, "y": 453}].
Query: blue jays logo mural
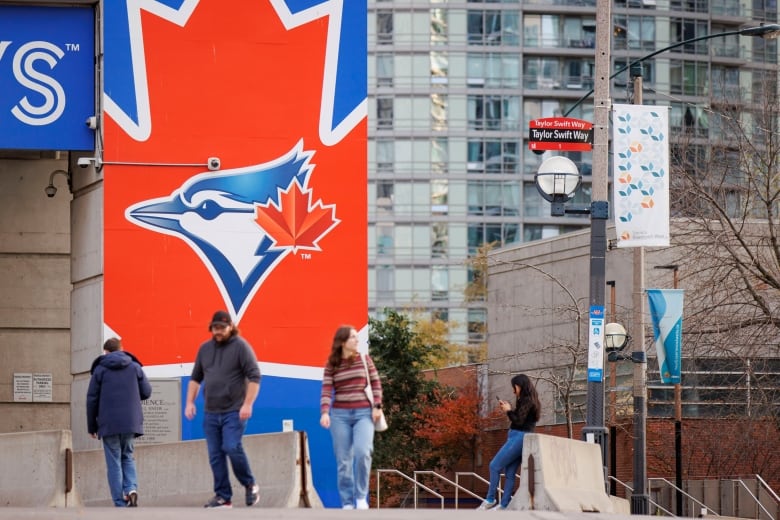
[
  {"x": 242, "y": 222},
  {"x": 277, "y": 90}
]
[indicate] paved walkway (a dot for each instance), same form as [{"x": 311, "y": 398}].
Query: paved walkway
[{"x": 190, "y": 513}]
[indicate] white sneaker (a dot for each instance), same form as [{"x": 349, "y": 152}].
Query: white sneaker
[
  {"x": 487, "y": 505},
  {"x": 348, "y": 506},
  {"x": 362, "y": 503}
]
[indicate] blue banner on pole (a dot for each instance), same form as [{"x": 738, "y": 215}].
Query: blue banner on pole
[
  {"x": 596, "y": 344},
  {"x": 666, "y": 311}
]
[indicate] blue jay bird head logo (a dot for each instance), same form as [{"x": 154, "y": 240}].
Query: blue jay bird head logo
[{"x": 243, "y": 222}]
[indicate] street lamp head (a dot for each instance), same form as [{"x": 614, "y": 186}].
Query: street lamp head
[
  {"x": 615, "y": 337},
  {"x": 771, "y": 30},
  {"x": 556, "y": 180}
]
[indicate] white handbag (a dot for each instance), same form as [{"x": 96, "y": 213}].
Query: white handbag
[{"x": 380, "y": 424}]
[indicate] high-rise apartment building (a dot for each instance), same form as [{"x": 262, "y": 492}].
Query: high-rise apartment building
[{"x": 452, "y": 88}]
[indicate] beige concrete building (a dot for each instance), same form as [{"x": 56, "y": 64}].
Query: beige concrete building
[{"x": 51, "y": 279}]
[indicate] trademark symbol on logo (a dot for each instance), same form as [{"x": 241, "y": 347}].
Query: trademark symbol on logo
[{"x": 306, "y": 256}]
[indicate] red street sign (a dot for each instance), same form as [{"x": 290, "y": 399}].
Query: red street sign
[{"x": 560, "y": 133}]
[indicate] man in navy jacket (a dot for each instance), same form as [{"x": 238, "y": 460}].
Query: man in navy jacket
[{"x": 114, "y": 414}]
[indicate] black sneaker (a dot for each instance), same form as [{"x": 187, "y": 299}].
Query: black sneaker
[
  {"x": 217, "y": 502},
  {"x": 252, "y": 494},
  {"x": 132, "y": 499}
]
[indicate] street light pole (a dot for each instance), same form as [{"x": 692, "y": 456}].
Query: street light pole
[
  {"x": 594, "y": 429},
  {"x": 640, "y": 499}
]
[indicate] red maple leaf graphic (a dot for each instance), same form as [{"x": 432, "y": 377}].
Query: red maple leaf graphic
[{"x": 296, "y": 222}]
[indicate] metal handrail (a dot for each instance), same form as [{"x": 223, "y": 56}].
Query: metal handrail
[
  {"x": 758, "y": 502},
  {"x": 769, "y": 489},
  {"x": 448, "y": 481},
  {"x": 413, "y": 481},
  {"x": 472, "y": 474},
  {"x": 684, "y": 493},
  {"x": 650, "y": 500},
  {"x": 499, "y": 489}
]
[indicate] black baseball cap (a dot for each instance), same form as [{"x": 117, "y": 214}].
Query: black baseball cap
[{"x": 221, "y": 318}]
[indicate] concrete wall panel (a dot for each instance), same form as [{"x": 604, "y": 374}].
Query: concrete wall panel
[
  {"x": 33, "y": 222},
  {"x": 87, "y": 243},
  {"x": 36, "y": 291},
  {"x": 35, "y": 470},
  {"x": 23, "y": 352},
  {"x": 178, "y": 474},
  {"x": 32, "y": 417}
]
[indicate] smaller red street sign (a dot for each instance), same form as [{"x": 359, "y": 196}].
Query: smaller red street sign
[{"x": 560, "y": 133}]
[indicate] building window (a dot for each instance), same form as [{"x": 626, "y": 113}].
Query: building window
[
  {"x": 728, "y": 46},
  {"x": 438, "y": 112},
  {"x": 477, "y": 318},
  {"x": 683, "y": 29},
  {"x": 440, "y": 283},
  {"x": 725, "y": 84},
  {"x": 493, "y": 70},
  {"x": 688, "y": 77},
  {"x": 384, "y": 196},
  {"x": 384, "y": 26},
  {"x": 385, "y": 285},
  {"x": 493, "y": 198},
  {"x": 540, "y": 231},
  {"x": 493, "y": 27},
  {"x": 440, "y": 155},
  {"x": 634, "y": 33},
  {"x": 385, "y": 155},
  {"x": 689, "y": 119},
  {"x": 483, "y": 233},
  {"x": 439, "y": 239},
  {"x": 384, "y": 112},
  {"x": 439, "y": 68},
  {"x": 439, "y": 26},
  {"x": 492, "y": 156},
  {"x": 493, "y": 112},
  {"x": 542, "y": 30},
  {"x": 384, "y": 239},
  {"x": 384, "y": 70},
  {"x": 440, "y": 313},
  {"x": 439, "y": 196},
  {"x": 718, "y": 387}
]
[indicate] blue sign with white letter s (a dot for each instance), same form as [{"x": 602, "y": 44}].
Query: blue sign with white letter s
[{"x": 47, "y": 77}]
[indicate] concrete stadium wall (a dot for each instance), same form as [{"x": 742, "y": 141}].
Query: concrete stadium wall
[
  {"x": 178, "y": 474},
  {"x": 564, "y": 475},
  {"x": 36, "y": 470},
  {"x": 35, "y": 284}
]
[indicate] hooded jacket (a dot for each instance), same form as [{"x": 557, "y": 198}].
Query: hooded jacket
[{"x": 116, "y": 389}]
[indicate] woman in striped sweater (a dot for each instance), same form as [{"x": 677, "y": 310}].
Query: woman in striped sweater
[{"x": 347, "y": 412}]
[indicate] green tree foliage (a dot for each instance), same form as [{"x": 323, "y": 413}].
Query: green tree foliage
[{"x": 401, "y": 356}]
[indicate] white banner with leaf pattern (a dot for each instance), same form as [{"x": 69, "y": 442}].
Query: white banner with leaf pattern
[{"x": 640, "y": 187}]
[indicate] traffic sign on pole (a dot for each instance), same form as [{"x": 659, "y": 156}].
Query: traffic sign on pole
[{"x": 560, "y": 133}]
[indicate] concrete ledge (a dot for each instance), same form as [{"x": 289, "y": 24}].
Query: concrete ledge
[
  {"x": 178, "y": 474},
  {"x": 565, "y": 475},
  {"x": 36, "y": 470}
]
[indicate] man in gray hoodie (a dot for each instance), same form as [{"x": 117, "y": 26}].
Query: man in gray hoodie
[{"x": 227, "y": 367}]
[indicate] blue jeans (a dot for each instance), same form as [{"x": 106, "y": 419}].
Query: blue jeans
[
  {"x": 223, "y": 432},
  {"x": 352, "y": 431},
  {"x": 507, "y": 459},
  {"x": 120, "y": 466}
]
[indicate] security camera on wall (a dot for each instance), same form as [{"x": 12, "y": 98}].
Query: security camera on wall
[{"x": 84, "y": 162}]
